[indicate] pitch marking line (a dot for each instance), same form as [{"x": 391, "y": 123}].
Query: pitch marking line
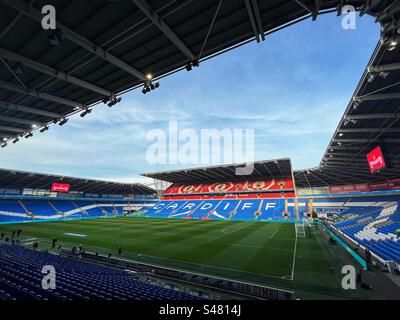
[
  {"x": 226, "y": 233},
  {"x": 276, "y": 231},
  {"x": 294, "y": 259}
]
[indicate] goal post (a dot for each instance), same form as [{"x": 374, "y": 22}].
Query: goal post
[{"x": 300, "y": 229}]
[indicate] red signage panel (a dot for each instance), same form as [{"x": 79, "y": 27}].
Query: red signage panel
[
  {"x": 385, "y": 185},
  {"x": 60, "y": 187},
  {"x": 361, "y": 187},
  {"x": 376, "y": 160}
]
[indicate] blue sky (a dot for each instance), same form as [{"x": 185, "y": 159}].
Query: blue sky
[{"x": 291, "y": 90}]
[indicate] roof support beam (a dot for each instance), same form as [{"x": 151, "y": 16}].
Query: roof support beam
[
  {"x": 313, "y": 11},
  {"x": 41, "y": 95},
  {"x": 343, "y": 172},
  {"x": 12, "y": 24},
  {"x": 36, "y": 15},
  {"x": 52, "y": 72},
  {"x": 343, "y": 164},
  {"x": 18, "y": 120},
  {"x": 351, "y": 158},
  {"x": 164, "y": 28},
  {"x": 373, "y": 116},
  {"x": 255, "y": 19},
  {"x": 386, "y": 67},
  {"x": 252, "y": 20},
  {"x": 258, "y": 19},
  {"x": 333, "y": 177},
  {"x": 361, "y": 140},
  {"x": 25, "y": 109},
  {"x": 367, "y": 130},
  {"x": 378, "y": 96},
  {"x": 12, "y": 129}
]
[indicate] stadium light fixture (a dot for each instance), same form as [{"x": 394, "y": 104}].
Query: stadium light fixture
[
  {"x": 45, "y": 128},
  {"x": 15, "y": 140},
  {"x": 149, "y": 77},
  {"x": 63, "y": 121},
  {"x": 149, "y": 86},
  {"x": 113, "y": 101},
  {"x": 34, "y": 126},
  {"x": 392, "y": 44},
  {"x": 105, "y": 100},
  {"x": 86, "y": 112},
  {"x": 190, "y": 65},
  {"x": 4, "y": 144},
  {"x": 371, "y": 77},
  {"x": 30, "y": 134}
]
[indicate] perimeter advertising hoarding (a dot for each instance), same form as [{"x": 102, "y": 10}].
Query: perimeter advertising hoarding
[
  {"x": 361, "y": 187},
  {"x": 365, "y": 187},
  {"x": 385, "y": 185}
]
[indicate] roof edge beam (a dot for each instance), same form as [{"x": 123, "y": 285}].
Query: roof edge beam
[{"x": 164, "y": 28}]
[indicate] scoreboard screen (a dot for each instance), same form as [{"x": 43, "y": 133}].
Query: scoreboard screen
[
  {"x": 60, "y": 187},
  {"x": 376, "y": 160}
]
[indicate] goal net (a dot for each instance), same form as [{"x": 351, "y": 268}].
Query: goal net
[{"x": 300, "y": 229}]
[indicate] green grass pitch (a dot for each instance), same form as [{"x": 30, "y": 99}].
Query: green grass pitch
[{"x": 260, "y": 252}]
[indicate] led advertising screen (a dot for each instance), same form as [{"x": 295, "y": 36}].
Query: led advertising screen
[
  {"x": 60, "y": 187},
  {"x": 376, "y": 160}
]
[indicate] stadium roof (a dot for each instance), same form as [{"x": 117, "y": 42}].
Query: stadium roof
[
  {"x": 262, "y": 170},
  {"x": 33, "y": 180},
  {"x": 103, "y": 48},
  {"x": 371, "y": 119}
]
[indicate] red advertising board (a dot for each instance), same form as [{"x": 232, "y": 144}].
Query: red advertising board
[
  {"x": 385, "y": 185},
  {"x": 365, "y": 187},
  {"x": 361, "y": 187},
  {"x": 376, "y": 161},
  {"x": 60, "y": 187}
]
